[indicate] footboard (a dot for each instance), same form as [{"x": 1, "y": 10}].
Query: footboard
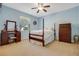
[{"x": 34, "y": 37}]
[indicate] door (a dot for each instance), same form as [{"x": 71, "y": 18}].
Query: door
[{"x": 65, "y": 32}]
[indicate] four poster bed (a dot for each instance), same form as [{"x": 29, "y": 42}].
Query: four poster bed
[{"x": 44, "y": 36}]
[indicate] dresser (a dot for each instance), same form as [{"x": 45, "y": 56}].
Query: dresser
[{"x": 10, "y": 34}]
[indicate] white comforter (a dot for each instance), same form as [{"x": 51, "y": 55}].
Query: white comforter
[{"x": 48, "y": 35}]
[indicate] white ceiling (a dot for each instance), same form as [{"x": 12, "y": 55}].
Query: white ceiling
[{"x": 55, "y": 7}]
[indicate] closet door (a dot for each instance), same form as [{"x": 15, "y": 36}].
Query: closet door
[{"x": 65, "y": 32}]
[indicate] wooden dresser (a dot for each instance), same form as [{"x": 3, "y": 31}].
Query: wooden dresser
[
  {"x": 9, "y": 36},
  {"x": 5, "y": 37}
]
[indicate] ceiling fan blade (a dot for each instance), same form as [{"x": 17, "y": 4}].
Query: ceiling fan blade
[
  {"x": 34, "y": 8},
  {"x": 40, "y": 4},
  {"x": 44, "y": 10},
  {"x": 38, "y": 11},
  {"x": 46, "y": 6}
]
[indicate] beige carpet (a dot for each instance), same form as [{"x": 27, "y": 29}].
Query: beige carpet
[{"x": 25, "y": 48}]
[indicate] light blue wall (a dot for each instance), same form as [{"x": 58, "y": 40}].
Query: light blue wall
[
  {"x": 71, "y": 15},
  {"x": 67, "y": 16},
  {"x": 7, "y": 13}
]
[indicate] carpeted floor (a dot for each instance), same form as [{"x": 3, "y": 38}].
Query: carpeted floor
[{"x": 25, "y": 48}]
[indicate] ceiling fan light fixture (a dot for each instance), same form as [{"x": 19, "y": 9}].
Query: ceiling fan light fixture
[{"x": 40, "y": 8}]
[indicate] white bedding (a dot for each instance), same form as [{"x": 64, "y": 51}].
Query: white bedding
[{"x": 48, "y": 35}]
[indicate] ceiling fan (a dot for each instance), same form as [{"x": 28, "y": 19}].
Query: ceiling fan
[{"x": 41, "y": 7}]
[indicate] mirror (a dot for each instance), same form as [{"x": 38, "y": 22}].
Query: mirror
[{"x": 10, "y": 25}]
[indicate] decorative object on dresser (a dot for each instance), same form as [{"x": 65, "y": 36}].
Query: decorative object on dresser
[
  {"x": 10, "y": 33},
  {"x": 65, "y": 32}
]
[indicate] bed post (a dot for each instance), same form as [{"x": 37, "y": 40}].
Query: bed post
[
  {"x": 43, "y": 33},
  {"x": 29, "y": 32}
]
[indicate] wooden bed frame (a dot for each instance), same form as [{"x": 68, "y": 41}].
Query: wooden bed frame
[{"x": 37, "y": 39}]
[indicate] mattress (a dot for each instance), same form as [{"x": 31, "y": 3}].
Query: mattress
[{"x": 48, "y": 35}]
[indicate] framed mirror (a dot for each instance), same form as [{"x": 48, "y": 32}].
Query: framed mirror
[{"x": 10, "y": 25}]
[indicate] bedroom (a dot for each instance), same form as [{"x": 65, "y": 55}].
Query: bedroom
[{"x": 57, "y": 13}]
